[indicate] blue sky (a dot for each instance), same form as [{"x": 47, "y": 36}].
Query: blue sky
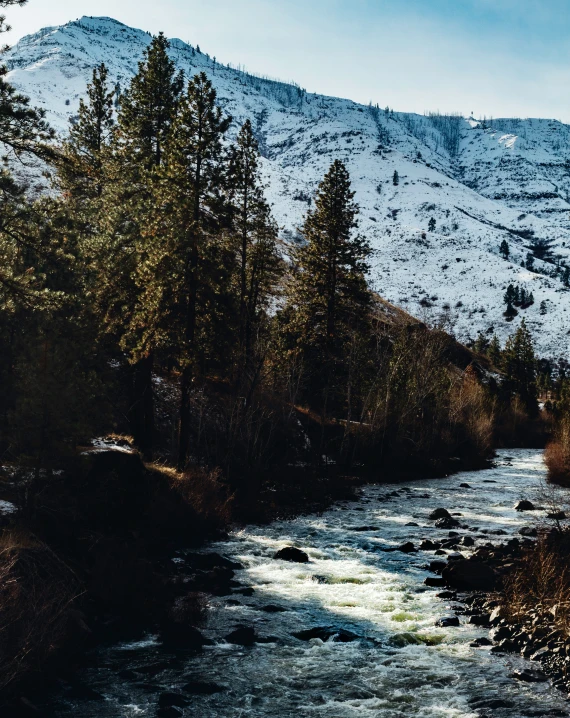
[{"x": 493, "y": 57}]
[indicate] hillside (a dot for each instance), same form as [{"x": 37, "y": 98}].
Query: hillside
[{"x": 480, "y": 182}]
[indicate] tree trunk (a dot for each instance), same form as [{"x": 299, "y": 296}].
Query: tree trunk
[{"x": 141, "y": 414}]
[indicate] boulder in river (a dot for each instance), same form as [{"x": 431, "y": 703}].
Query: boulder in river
[
  {"x": 557, "y": 515},
  {"x": 292, "y": 554},
  {"x": 478, "y": 642},
  {"x": 464, "y": 486},
  {"x": 242, "y": 636},
  {"x": 427, "y": 545},
  {"x": 524, "y": 505},
  {"x": 447, "y": 523},
  {"x": 407, "y": 547},
  {"x": 439, "y": 514},
  {"x": 528, "y": 531},
  {"x": 469, "y": 575},
  {"x": 529, "y": 676},
  {"x": 324, "y": 633},
  {"x": 448, "y": 622},
  {"x": 434, "y": 582}
]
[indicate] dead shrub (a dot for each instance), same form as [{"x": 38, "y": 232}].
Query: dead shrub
[
  {"x": 542, "y": 581},
  {"x": 557, "y": 454},
  {"x": 37, "y": 591}
]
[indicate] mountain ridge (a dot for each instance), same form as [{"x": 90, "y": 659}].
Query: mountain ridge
[{"x": 481, "y": 182}]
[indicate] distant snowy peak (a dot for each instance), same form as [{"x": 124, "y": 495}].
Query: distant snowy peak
[{"x": 463, "y": 186}]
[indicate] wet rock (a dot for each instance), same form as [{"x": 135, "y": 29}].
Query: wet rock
[
  {"x": 428, "y": 545},
  {"x": 470, "y": 575},
  {"x": 479, "y": 642},
  {"x": 499, "y": 634},
  {"x": 540, "y": 654},
  {"x": 481, "y": 619},
  {"x": 464, "y": 486},
  {"x": 524, "y": 505},
  {"x": 242, "y": 636},
  {"x": 437, "y": 566},
  {"x": 272, "y": 608},
  {"x": 528, "y": 531},
  {"x": 202, "y": 688},
  {"x": 557, "y": 515},
  {"x": 170, "y": 712},
  {"x": 179, "y": 635},
  {"x": 439, "y": 514},
  {"x": 440, "y": 552},
  {"x": 247, "y": 591},
  {"x": 447, "y": 595},
  {"x": 505, "y": 646},
  {"x": 467, "y": 541},
  {"x": 434, "y": 582},
  {"x": 447, "y": 523},
  {"x": 412, "y": 523},
  {"x": 529, "y": 675},
  {"x": 407, "y": 547},
  {"x": 363, "y": 528},
  {"x": 290, "y": 553},
  {"x": 324, "y": 633},
  {"x": 447, "y": 622},
  {"x": 495, "y": 616},
  {"x": 169, "y": 700}
]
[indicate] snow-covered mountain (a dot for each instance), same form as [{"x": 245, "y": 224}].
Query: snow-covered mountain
[{"x": 481, "y": 184}]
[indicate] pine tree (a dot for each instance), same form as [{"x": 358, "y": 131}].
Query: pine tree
[
  {"x": 396, "y": 178},
  {"x": 329, "y": 300},
  {"x": 494, "y": 351},
  {"x": 256, "y": 235},
  {"x": 519, "y": 366},
  {"x": 81, "y": 169},
  {"x": 431, "y": 225},
  {"x": 504, "y": 249},
  {"x": 510, "y": 295},
  {"x": 185, "y": 267},
  {"x": 146, "y": 113},
  {"x": 529, "y": 264}
]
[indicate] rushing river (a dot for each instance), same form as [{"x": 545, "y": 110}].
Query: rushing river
[{"x": 401, "y": 664}]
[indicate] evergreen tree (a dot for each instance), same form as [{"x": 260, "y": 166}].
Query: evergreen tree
[
  {"x": 431, "y": 225},
  {"x": 328, "y": 298},
  {"x": 529, "y": 264},
  {"x": 256, "y": 235},
  {"x": 185, "y": 266},
  {"x": 145, "y": 118},
  {"x": 504, "y": 249},
  {"x": 81, "y": 171},
  {"x": 396, "y": 178},
  {"x": 519, "y": 366},
  {"x": 494, "y": 351},
  {"x": 510, "y": 295}
]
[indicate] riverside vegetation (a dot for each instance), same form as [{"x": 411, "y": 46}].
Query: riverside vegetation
[{"x": 148, "y": 299}]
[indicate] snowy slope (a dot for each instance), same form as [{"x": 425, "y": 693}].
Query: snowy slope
[{"x": 481, "y": 184}]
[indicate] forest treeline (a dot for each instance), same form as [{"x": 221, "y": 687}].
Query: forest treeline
[{"x": 149, "y": 295}]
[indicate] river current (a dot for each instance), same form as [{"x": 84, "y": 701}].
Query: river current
[{"x": 400, "y": 665}]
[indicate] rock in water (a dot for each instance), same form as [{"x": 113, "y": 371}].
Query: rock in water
[
  {"x": 290, "y": 553},
  {"x": 243, "y": 636},
  {"x": 469, "y": 575},
  {"x": 439, "y": 514},
  {"x": 447, "y": 523},
  {"x": 407, "y": 547},
  {"x": 524, "y": 505},
  {"x": 448, "y": 622}
]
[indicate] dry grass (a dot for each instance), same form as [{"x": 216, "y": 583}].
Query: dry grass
[
  {"x": 203, "y": 490},
  {"x": 37, "y": 591},
  {"x": 557, "y": 454},
  {"x": 542, "y": 582}
]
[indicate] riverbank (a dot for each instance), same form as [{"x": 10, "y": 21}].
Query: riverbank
[{"x": 389, "y": 658}]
